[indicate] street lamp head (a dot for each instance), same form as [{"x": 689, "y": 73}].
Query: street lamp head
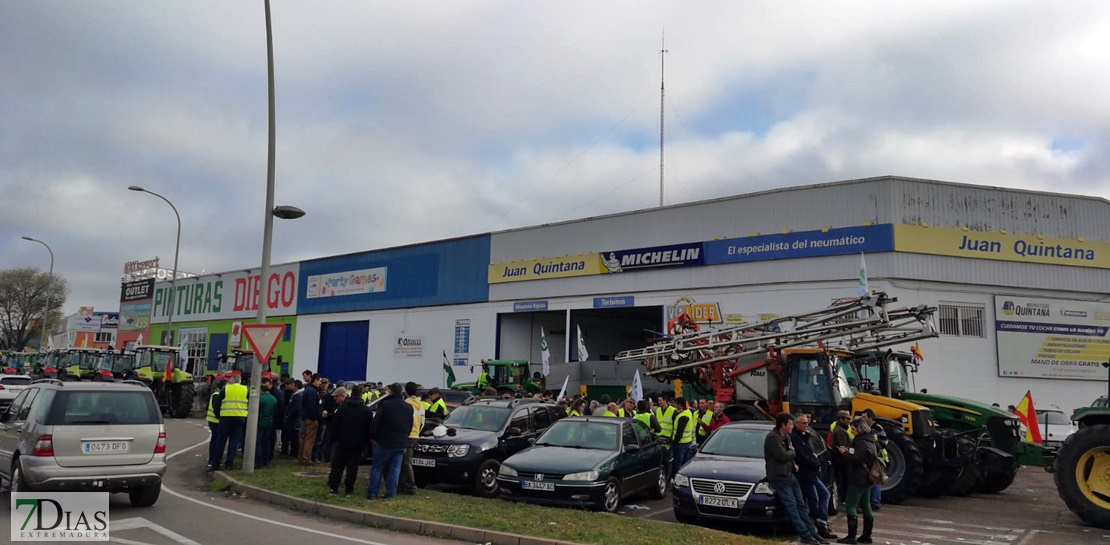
[
  {"x": 135, "y": 188},
  {"x": 29, "y": 238},
  {"x": 287, "y": 212}
]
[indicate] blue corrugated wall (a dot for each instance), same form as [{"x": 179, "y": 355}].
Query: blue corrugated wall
[{"x": 439, "y": 273}]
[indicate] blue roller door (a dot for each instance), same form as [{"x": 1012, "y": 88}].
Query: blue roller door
[{"x": 343, "y": 347}]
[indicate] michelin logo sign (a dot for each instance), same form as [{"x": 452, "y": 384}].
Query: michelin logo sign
[{"x": 658, "y": 257}]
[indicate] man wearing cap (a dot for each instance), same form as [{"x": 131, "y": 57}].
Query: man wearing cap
[
  {"x": 840, "y": 435},
  {"x": 350, "y": 427}
]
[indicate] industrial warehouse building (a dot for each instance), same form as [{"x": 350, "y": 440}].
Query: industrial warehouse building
[{"x": 1019, "y": 278}]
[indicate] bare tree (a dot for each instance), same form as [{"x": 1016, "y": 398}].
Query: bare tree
[{"x": 24, "y": 295}]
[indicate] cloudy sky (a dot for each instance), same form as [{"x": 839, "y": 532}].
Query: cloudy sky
[{"x": 401, "y": 122}]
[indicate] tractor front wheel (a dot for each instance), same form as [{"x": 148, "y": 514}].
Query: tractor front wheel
[
  {"x": 905, "y": 467},
  {"x": 182, "y": 396},
  {"x": 1082, "y": 474}
]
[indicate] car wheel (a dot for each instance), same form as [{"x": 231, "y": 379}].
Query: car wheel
[
  {"x": 612, "y": 498},
  {"x": 658, "y": 491},
  {"x": 485, "y": 482},
  {"x": 18, "y": 483},
  {"x": 144, "y": 496},
  {"x": 834, "y": 499}
]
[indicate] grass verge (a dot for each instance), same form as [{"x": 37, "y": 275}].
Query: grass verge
[{"x": 577, "y": 525}]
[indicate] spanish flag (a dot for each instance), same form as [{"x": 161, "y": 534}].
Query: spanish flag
[
  {"x": 169, "y": 370},
  {"x": 1028, "y": 416},
  {"x": 916, "y": 351}
]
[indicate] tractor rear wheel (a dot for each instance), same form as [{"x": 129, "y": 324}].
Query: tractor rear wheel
[
  {"x": 1082, "y": 474},
  {"x": 997, "y": 481},
  {"x": 182, "y": 396},
  {"x": 906, "y": 465}
]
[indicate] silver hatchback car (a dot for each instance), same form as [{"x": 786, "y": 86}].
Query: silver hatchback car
[{"x": 85, "y": 437}]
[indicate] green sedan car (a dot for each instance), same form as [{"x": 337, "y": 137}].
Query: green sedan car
[{"x": 587, "y": 461}]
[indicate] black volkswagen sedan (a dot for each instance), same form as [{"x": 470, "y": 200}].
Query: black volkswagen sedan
[
  {"x": 587, "y": 461},
  {"x": 725, "y": 480}
]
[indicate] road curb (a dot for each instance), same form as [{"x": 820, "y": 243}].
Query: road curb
[{"x": 377, "y": 520}]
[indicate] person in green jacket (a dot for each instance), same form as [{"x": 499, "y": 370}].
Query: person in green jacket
[{"x": 264, "y": 446}]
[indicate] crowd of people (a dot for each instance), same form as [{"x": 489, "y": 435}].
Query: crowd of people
[
  {"x": 795, "y": 456},
  {"x": 324, "y": 423}
]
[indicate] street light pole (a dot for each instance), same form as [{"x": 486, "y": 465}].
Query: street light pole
[
  {"x": 50, "y": 278},
  {"x": 264, "y": 277},
  {"x": 176, "y": 251}
]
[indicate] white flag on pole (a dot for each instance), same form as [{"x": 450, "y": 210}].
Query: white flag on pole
[
  {"x": 637, "y": 387},
  {"x": 582, "y": 354},
  {"x": 139, "y": 339},
  {"x": 863, "y": 290},
  {"x": 50, "y": 342},
  {"x": 563, "y": 392},
  {"x": 545, "y": 353}
]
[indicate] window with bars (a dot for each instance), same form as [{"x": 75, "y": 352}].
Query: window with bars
[
  {"x": 962, "y": 319},
  {"x": 195, "y": 340}
]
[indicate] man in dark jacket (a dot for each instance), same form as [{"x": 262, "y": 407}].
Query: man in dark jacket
[
  {"x": 779, "y": 456},
  {"x": 291, "y": 433},
  {"x": 311, "y": 405},
  {"x": 390, "y": 435},
  {"x": 809, "y": 463},
  {"x": 350, "y": 428}
]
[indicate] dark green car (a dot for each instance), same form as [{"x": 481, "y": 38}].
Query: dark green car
[{"x": 587, "y": 461}]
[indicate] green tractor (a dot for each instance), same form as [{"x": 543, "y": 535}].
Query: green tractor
[
  {"x": 1082, "y": 465},
  {"x": 119, "y": 365},
  {"x": 176, "y": 392},
  {"x": 79, "y": 363},
  {"x": 987, "y": 436},
  {"x": 507, "y": 376}
]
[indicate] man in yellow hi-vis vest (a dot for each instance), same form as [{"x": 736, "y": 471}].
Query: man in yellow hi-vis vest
[
  {"x": 213, "y": 418},
  {"x": 233, "y": 420},
  {"x": 684, "y": 424}
]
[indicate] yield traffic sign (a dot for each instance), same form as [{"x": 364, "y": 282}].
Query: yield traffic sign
[{"x": 263, "y": 339}]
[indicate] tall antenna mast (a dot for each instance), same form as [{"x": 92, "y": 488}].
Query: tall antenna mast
[{"x": 662, "y": 95}]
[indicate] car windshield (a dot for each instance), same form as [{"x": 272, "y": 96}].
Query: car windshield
[
  {"x": 741, "y": 443},
  {"x": 477, "y": 417},
  {"x": 582, "y": 434},
  {"x": 155, "y": 360},
  {"x": 75, "y": 408},
  {"x": 1054, "y": 418}
]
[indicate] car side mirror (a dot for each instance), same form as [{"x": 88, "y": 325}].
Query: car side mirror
[
  {"x": 514, "y": 432},
  {"x": 531, "y": 440},
  {"x": 632, "y": 448}
]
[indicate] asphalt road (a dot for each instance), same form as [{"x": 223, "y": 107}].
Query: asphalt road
[
  {"x": 188, "y": 514},
  {"x": 1030, "y": 512}
]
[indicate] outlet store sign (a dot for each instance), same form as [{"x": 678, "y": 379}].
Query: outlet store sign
[{"x": 227, "y": 296}]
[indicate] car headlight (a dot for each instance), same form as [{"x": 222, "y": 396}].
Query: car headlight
[
  {"x": 507, "y": 471},
  {"x": 582, "y": 476},
  {"x": 458, "y": 450},
  {"x": 764, "y": 488},
  {"x": 681, "y": 480}
]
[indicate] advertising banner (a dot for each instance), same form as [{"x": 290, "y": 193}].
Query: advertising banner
[
  {"x": 346, "y": 283},
  {"x": 658, "y": 257},
  {"x": 134, "y": 316},
  {"x": 547, "y": 267},
  {"x": 462, "y": 342},
  {"x": 227, "y": 296},
  {"x": 136, "y": 291},
  {"x": 618, "y": 301},
  {"x": 841, "y": 241},
  {"x": 84, "y": 320},
  {"x": 408, "y": 347},
  {"x": 108, "y": 320},
  {"x": 1001, "y": 247},
  {"x": 1051, "y": 338}
]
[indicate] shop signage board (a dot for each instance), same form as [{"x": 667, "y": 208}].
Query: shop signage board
[
  {"x": 227, "y": 296},
  {"x": 656, "y": 257},
  {"x": 1001, "y": 246},
  {"x": 358, "y": 282},
  {"x": 544, "y": 268},
  {"x": 134, "y": 316},
  {"x": 136, "y": 291},
  {"x": 529, "y": 306},
  {"x": 408, "y": 347},
  {"x": 1051, "y": 338},
  {"x": 823, "y": 242},
  {"x": 616, "y": 301}
]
